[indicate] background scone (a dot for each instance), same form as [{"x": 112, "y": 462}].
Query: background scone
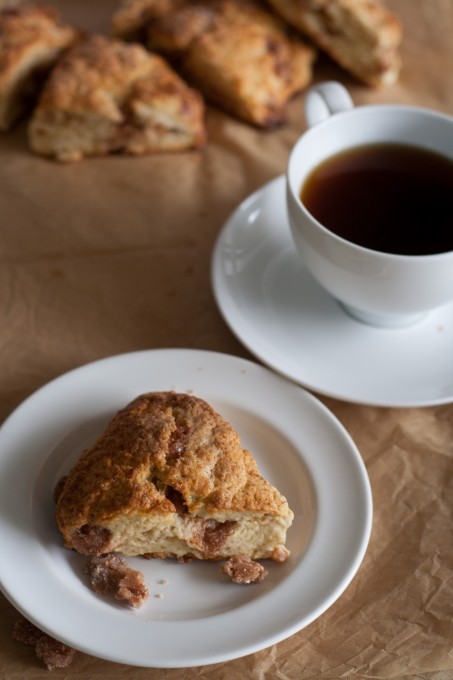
[
  {"x": 169, "y": 478},
  {"x": 31, "y": 40},
  {"x": 105, "y": 96},
  {"x": 363, "y": 36},
  {"x": 239, "y": 54}
]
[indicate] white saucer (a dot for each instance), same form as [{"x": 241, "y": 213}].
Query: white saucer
[
  {"x": 289, "y": 322},
  {"x": 198, "y": 616}
]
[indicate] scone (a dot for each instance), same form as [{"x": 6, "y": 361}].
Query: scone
[
  {"x": 239, "y": 54},
  {"x": 105, "y": 96},
  {"x": 362, "y": 36},
  {"x": 31, "y": 40},
  {"x": 169, "y": 478}
]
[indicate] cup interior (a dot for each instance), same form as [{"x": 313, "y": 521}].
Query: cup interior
[{"x": 413, "y": 126}]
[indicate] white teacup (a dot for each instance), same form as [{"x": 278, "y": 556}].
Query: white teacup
[{"x": 375, "y": 287}]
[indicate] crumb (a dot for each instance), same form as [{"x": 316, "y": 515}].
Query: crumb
[
  {"x": 163, "y": 581},
  {"x": 242, "y": 569},
  {"x": 52, "y": 653},
  {"x": 159, "y": 596},
  {"x": 280, "y": 553},
  {"x": 110, "y": 573}
]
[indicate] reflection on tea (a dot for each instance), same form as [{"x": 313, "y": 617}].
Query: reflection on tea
[{"x": 388, "y": 197}]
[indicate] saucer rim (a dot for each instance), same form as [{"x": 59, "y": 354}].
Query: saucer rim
[{"x": 224, "y": 297}]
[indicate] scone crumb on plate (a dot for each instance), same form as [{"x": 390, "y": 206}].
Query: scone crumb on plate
[
  {"x": 244, "y": 570},
  {"x": 52, "y": 653},
  {"x": 111, "y": 573}
]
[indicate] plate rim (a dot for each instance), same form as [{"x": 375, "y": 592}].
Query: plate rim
[
  {"x": 225, "y": 300},
  {"x": 197, "y": 355}
]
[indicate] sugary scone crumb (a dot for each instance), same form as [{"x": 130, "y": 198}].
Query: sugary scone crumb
[
  {"x": 242, "y": 569},
  {"x": 52, "y": 653},
  {"x": 110, "y": 573},
  {"x": 280, "y": 553}
]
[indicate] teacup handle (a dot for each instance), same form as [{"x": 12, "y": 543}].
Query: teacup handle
[{"x": 325, "y": 100}]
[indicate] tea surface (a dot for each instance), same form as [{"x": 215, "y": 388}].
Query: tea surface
[{"x": 387, "y": 197}]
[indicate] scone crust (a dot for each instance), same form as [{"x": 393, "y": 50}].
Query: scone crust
[
  {"x": 161, "y": 441},
  {"x": 126, "y": 90},
  {"x": 31, "y": 40},
  {"x": 27, "y": 29},
  {"x": 131, "y": 18},
  {"x": 238, "y": 54},
  {"x": 363, "y": 36}
]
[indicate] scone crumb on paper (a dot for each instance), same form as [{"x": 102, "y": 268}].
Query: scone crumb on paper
[
  {"x": 52, "y": 653},
  {"x": 111, "y": 573},
  {"x": 244, "y": 570}
]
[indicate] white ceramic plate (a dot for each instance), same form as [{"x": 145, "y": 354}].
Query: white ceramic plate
[
  {"x": 197, "y": 616},
  {"x": 281, "y": 314}
]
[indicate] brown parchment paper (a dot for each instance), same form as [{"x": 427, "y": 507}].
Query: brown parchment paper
[{"x": 113, "y": 255}]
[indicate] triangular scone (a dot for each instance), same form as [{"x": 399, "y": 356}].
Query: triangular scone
[
  {"x": 236, "y": 52},
  {"x": 31, "y": 41},
  {"x": 106, "y": 96},
  {"x": 363, "y": 36},
  {"x": 169, "y": 478}
]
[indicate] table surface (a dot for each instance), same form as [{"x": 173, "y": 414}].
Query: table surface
[{"x": 113, "y": 255}]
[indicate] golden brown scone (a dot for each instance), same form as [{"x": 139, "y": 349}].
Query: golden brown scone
[
  {"x": 132, "y": 16},
  {"x": 363, "y": 36},
  {"x": 237, "y": 53},
  {"x": 107, "y": 96},
  {"x": 169, "y": 478},
  {"x": 31, "y": 40}
]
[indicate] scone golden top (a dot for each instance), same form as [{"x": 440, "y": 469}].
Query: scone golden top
[
  {"x": 106, "y": 96},
  {"x": 169, "y": 477},
  {"x": 239, "y": 54},
  {"x": 132, "y": 16},
  {"x": 31, "y": 40},
  {"x": 25, "y": 28}
]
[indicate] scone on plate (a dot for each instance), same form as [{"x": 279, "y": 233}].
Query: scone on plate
[
  {"x": 238, "y": 53},
  {"x": 31, "y": 40},
  {"x": 106, "y": 96},
  {"x": 363, "y": 36},
  {"x": 169, "y": 478}
]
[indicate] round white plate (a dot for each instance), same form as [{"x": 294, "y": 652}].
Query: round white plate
[
  {"x": 279, "y": 312},
  {"x": 194, "y": 614}
]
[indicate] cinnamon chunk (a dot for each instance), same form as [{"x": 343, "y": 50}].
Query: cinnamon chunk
[
  {"x": 91, "y": 540},
  {"x": 51, "y": 652},
  {"x": 210, "y": 536},
  {"x": 110, "y": 573},
  {"x": 244, "y": 570}
]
